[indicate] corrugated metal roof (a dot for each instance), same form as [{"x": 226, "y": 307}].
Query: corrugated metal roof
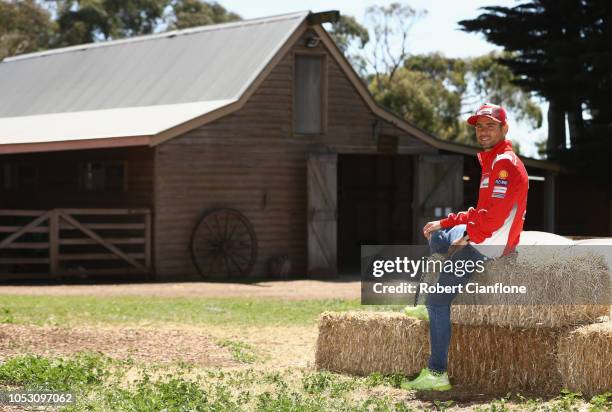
[
  {"x": 101, "y": 124},
  {"x": 199, "y": 65}
]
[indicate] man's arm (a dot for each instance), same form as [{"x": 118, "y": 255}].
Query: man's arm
[
  {"x": 453, "y": 219},
  {"x": 459, "y": 218}
]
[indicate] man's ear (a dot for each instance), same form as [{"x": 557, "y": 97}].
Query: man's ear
[{"x": 505, "y": 129}]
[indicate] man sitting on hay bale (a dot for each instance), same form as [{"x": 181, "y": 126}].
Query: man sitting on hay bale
[{"x": 490, "y": 231}]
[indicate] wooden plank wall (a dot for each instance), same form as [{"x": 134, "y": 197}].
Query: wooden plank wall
[
  {"x": 251, "y": 161},
  {"x": 58, "y": 181}
]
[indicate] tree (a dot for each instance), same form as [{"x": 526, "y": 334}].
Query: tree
[
  {"x": 347, "y": 32},
  {"x": 427, "y": 91},
  {"x": 190, "y": 13},
  {"x": 495, "y": 82},
  {"x": 433, "y": 92},
  {"x": 561, "y": 50},
  {"x": 87, "y": 21},
  {"x": 389, "y": 23},
  {"x": 24, "y": 27}
]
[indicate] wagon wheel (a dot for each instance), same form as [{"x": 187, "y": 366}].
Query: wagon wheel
[{"x": 224, "y": 244}]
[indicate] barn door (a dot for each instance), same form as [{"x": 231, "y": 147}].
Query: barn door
[
  {"x": 439, "y": 189},
  {"x": 322, "y": 213}
]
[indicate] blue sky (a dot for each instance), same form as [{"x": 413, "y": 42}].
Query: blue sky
[{"x": 436, "y": 31}]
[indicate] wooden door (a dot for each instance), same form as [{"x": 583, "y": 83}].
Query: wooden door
[
  {"x": 438, "y": 190},
  {"x": 322, "y": 213}
]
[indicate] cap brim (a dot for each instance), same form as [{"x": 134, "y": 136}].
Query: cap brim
[{"x": 473, "y": 119}]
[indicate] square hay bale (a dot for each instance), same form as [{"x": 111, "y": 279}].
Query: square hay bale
[
  {"x": 585, "y": 359},
  {"x": 563, "y": 290},
  {"x": 501, "y": 358},
  {"x": 528, "y": 316},
  {"x": 361, "y": 343},
  {"x": 490, "y": 359}
]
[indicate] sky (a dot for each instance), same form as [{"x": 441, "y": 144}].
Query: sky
[{"x": 436, "y": 31}]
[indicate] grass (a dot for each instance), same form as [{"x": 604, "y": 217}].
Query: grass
[
  {"x": 104, "y": 384},
  {"x": 80, "y": 310},
  {"x": 100, "y": 384},
  {"x": 241, "y": 351},
  {"x": 55, "y": 374}
]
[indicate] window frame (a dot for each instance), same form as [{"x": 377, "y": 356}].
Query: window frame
[
  {"x": 16, "y": 169},
  {"x": 82, "y": 181},
  {"x": 303, "y": 51}
]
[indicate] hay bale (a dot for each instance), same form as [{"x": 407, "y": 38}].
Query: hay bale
[
  {"x": 585, "y": 359},
  {"x": 563, "y": 290},
  {"x": 528, "y": 316},
  {"x": 491, "y": 358},
  {"x": 361, "y": 343}
]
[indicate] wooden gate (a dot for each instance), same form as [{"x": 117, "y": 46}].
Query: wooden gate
[
  {"x": 63, "y": 242},
  {"x": 439, "y": 190},
  {"x": 322, "y": 214}
]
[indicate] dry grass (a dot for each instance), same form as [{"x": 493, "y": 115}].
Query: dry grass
[
  {"x": 277, "y": 347},
  {"x": 488, "y": 359},
  {"x": 562, "y": 290},
  {"x": 143, "y": 344},
  {"x": 528, "y": 316},
  {"x": 585, "y": 359},
  {"x": 362, "y": 343}
]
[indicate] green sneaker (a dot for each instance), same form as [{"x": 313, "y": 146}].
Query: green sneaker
[
  {"x": 418, "y": 311},
  {"x": 429, "y": 381}
]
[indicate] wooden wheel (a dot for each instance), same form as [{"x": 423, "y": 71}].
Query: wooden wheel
[{"x": 223, "y": 244}]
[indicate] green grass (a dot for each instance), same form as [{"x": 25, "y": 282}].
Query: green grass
[
  {"x": 80, "y": 310},
  {"x": 241, "y": 351},
  {"x": 57, "y": 374},
  {"x": 100, "y": 384}
]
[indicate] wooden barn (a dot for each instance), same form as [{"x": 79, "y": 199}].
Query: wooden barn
[{"x": 235, "y": 151}]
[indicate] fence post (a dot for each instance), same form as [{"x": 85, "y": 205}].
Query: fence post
[
  {"x": 147, "y": 235},
  {"x": 54, "y": 242}
]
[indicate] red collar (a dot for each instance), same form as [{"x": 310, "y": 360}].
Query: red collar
[{"x": 486, "y": 157}]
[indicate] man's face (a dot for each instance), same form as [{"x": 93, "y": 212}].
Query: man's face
[{"x": 488, "y": 132}]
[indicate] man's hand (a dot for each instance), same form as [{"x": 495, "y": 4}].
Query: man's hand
[
  {"x": 457, "y": 245},
  {"x": 431, "y": 227}
]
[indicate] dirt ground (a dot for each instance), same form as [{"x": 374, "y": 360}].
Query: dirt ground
[
  {"x": 120, "y": 343},
  {"x": 281, "y": 347},
  {"x": 343, "y": 288}
]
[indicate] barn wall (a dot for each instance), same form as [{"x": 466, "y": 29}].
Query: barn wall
[
  {"x": 251, "y": 161},
  {"x": 576, "y": 194},
  {"x": 57, "y": 181}
]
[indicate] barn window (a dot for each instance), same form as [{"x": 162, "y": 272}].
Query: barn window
[
  {"x": 103, "y": 176},
  {"x": 18, "y": 176},
  {"x": 309, "y": 94}
]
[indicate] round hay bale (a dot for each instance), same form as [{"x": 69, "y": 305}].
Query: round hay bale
[
  {"x": 489, "y": 358},
  {"x": 585, "y": 359}
]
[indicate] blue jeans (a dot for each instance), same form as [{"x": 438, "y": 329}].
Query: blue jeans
[{"x": 438, "y": 304}]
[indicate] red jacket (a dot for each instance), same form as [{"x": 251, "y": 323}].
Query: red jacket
[{"x": 502, "y": 201}]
